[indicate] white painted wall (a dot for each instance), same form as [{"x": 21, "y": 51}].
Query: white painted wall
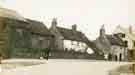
[
  {"x": 117, "y": 50},
  {"x": 75, "y": 45}
]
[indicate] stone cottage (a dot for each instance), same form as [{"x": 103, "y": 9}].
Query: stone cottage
[
  {"x": 20, "y": 37},
  {"x": 112, "y": 46},
  {"x": 69, "y": 39}
]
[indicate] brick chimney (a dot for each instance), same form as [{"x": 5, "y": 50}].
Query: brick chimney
[
  {"x": 54, "y": 23},
  {"x": 74, "y": 27}
]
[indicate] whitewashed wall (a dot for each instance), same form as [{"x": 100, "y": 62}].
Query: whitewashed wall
[
  {"x": 117, "y": 50},
  {"x": 75, "y": 45}
]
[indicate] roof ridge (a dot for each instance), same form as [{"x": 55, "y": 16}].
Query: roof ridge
[
  {"x": 71, "y": 35},
  {"x": 68, "y": 29}
]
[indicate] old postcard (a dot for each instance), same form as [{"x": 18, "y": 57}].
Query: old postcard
[{"x": 67, "y": 37}]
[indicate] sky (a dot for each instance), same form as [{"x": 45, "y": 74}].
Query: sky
[{"x": 89, "y": 15}]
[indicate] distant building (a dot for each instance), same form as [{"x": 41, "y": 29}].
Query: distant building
[
  {"x": 112, "y": 46},
  {"x": 118, "y": 47},
  {"x": 22, "y": 37},
  {"x": 69, "y": 39},
  {"x": 129, "y": 36}
]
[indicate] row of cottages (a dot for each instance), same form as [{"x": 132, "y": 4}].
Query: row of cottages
[
  {"x": 21, "y": 37},
  {"x": 129, "y": 37},
  {"x": 112, "y": 46},
  {"x": 69, "y": 39}
]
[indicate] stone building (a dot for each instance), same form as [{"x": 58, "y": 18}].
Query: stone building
[
  {"x": 118, "y": 47},
  {"x": 112, "y": 46},
  {"x": 21, "y": 37},
  {"x": 129, "y": 36}
]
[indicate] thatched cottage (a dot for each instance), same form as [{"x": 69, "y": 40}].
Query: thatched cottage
[
  {"x": 69, "y": 39},
  {"x": 21, "y": 37}
]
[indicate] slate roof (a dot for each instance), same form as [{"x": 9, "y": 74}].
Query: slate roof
[
  {"x": 125, "y": 31},
  {"x": 38, "y": 28},
  {"x": 70, "y": 34},
  {"x": 115, "y": 40}
]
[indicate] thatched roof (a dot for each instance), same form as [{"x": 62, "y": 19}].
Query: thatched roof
[
  {"x": 38, "y": 28},
  {"x": 74, "y": 35}
]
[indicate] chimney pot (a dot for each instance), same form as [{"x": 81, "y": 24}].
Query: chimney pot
[{"x": 74, "y": 27}]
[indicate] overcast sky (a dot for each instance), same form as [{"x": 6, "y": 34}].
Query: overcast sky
[{"x": 89, "y": 15}]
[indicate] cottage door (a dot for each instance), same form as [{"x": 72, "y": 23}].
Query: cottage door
[{"x": 120, "y": 57}]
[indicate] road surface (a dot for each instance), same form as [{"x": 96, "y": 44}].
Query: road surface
[{"x": 66, "y": 67}]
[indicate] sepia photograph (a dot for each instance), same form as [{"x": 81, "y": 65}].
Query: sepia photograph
[{"x": 67, "y": 37}]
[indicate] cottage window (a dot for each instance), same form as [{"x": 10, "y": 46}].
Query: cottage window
[{"x": 123, "y": 35}]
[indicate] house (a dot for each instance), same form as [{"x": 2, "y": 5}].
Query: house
[
  {"x": 112, "y": 46},
  {"x": 129, "y": 36},
  {"x": 41, "y": 37},
  {"x": 69, "y": 39},
  {"x": 118, "y": 47},
  {"x": 72, "y": 44},
  {"x": 21, "y": 37}
]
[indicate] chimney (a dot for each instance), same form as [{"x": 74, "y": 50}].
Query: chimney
[
  {"x": 102, "y": 30},
  {"x": 130, "y": 29},
  {"x": 74, "y": 27},
  {"x": 54, "y": 22}
]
